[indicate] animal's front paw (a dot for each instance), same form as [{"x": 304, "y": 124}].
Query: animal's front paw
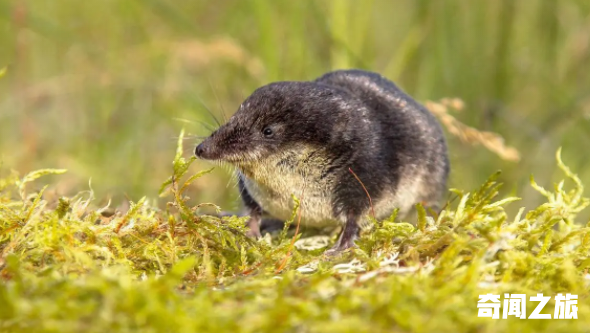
[
  {"x": 332, "y": 252},
  {"x": 254, "y": 228},
  {"x": 253, "y": 233},
  {"x": 339, "y": 247}
]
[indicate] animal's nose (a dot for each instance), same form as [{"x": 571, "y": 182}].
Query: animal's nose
[{"x": 200, "y": 150}]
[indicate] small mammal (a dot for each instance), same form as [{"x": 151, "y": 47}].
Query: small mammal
[{"x": 304, "y": 138}]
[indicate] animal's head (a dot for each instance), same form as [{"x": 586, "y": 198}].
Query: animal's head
[{"x": 275, "y": 118}]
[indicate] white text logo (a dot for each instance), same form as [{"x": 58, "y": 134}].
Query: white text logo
[{"x": 515, "y": 305}]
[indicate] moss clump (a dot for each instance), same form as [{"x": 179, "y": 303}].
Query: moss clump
[{"x": 68, "y": 267}]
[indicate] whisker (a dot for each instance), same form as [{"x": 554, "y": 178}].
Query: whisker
[
  {"x": 202, "y": 123},
  {"x": 229, "y": 182},
  {"x": 218, "y": 100},
  {"x": 208, "y": 111},
  {"x": 188, "y": 121},
  {"x": 192, "y": 137},
  {"x": 188, "y": 150},
  {"x": 207, "y": 126},
  {"x": 236, "y": 180}
]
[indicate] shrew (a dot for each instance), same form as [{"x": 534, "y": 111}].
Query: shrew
[{"x": 306, "y": 137}]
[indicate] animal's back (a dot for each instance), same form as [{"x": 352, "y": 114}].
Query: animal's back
[{"x": 412, "y": 147}]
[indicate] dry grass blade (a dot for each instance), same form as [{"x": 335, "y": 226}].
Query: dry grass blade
[{"x": 492, "y": 141}]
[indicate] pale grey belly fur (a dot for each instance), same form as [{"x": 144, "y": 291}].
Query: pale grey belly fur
[
  {"x": 272, "y": 185},
  {"x": 273, "y": 180},
  {"x": 315, "y": 203}
]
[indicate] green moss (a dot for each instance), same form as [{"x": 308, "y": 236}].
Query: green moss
[{"x": 65, "y": 266}]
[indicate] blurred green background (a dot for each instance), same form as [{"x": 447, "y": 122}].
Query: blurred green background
[{"x": 103, "y": 87}]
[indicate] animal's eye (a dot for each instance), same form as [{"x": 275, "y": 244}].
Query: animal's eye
[{"x": 267, "y": 132}]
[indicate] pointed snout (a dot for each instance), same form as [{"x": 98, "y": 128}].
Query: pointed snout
[
  {"x": 199, "y": 150},
  {"x": 220, "y": 146},
  {"x": 205, "y": 150}
]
